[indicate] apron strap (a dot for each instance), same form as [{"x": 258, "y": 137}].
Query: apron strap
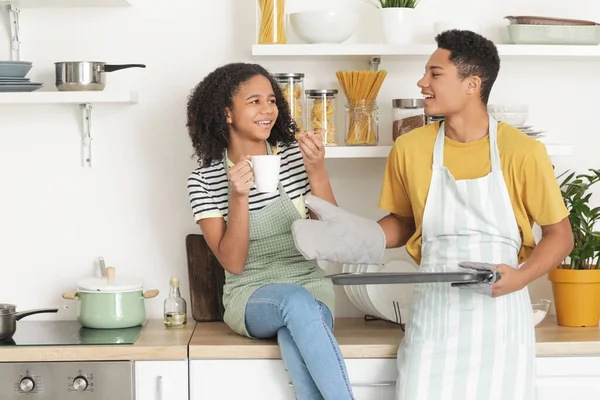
[{"x": 438, "y": 149}]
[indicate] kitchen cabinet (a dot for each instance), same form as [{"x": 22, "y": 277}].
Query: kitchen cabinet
[
  {"x": 371, "y": 379},
  {"x": 161, "y": 380},
  {"x": 563, "y": 378},
  {"x": 558, "y": 378}
]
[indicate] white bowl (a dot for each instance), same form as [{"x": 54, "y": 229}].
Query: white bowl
[
  {"x": 540, "y": 310},
  {"x": 326, "y": 26}
]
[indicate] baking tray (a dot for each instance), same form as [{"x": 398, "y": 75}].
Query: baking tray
[{"x": 387, "y": 278}]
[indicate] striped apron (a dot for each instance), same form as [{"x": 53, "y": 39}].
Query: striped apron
[{"x": 460, "y": 345}]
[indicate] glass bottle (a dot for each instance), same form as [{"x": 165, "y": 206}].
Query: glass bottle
[{"x": 175, "y": 307}]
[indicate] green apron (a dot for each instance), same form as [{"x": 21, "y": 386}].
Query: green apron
[{"x": 272, "y": 258}]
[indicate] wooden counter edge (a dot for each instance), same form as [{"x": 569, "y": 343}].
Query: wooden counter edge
[{"x": 155, "y": 342}]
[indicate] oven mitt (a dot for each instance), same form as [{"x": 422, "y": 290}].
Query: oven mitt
[
  {"x": 338, "y": 236},
  {"x": 484, "y": 287}
]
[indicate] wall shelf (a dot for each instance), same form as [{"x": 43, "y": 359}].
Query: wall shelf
[
  {"x": 90, "y": 97},
  {"x": 84, "y": 100},
  {"x": 383, "y": 151},
  {"x": 412, "y": 50},
  {"x": 67, "y": 3}
]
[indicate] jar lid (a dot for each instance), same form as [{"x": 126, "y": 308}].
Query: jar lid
[
  {"x": 288, "y": 75},
  {"x": 408, "y": 103},
  {"x": 321, "y": 92}
]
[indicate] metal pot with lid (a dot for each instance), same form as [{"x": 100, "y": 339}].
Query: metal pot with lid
[
  {"x": 110, "y": 303},
  {"x": 85, "y": 75}
]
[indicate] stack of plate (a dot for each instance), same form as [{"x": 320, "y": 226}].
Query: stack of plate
[
  {"x": 12, "y": 77},
  {"x": 389, "y": 302},
  {"x": 531, "y": 131}
]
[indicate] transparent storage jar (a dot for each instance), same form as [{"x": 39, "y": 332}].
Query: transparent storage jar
[
  {"x": 272, "y": 24},
  {"x": 292, "y": 86},
  {"x": 362, "y": 123},
  {"x": 407, "y": 114},
  {"x": 320, "y": 114}
]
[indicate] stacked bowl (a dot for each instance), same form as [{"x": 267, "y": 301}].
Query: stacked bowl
[{"x": 13, "y": 77}]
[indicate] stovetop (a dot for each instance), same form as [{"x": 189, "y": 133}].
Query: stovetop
[{"x": 69, "y": 333}]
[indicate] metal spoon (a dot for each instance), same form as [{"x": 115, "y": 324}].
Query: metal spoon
[{"x": 102, "y": 267}]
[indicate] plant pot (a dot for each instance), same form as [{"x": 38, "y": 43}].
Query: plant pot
[
  {"x": 576, "y": 296},
  {"x": 397, "y": 24}
]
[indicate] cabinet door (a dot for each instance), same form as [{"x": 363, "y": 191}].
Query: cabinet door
[
  {"x": 564, "y": 378},
  {"x": 239, "y": 379},
  {"x": 373, "y": 378},
  {"x": 161, "y": 380}
]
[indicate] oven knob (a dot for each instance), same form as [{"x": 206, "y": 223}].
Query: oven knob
[
  {"x": 80, "y": 383},
  {"x": 27, "y": 384}
]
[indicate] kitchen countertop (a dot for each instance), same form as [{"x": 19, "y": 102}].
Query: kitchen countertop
[
  {"x": 155, "y": 342},
  {"x": 375, "y": 339}
]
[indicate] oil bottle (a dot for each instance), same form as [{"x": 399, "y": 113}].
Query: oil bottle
[{"x": 175, "y": 307}]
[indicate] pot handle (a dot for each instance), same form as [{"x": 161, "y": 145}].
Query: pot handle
[
  {"x": 69, "y": 295},
  {"x": 151, "y": 294},
  {"x": 116, "y": 67},
  {"x": 18, "y": 315}
]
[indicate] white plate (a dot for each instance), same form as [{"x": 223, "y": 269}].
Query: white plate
[{"x": 393, "y": 302}]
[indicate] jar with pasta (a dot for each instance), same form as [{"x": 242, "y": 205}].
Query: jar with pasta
[
  {"x": 362, "y": 123},
  {"x": 407, "y": 114},
  {"x": 320, "y": 115},
  {"x": 272, "y": 22},
  {"x": 292, "y": 86}
]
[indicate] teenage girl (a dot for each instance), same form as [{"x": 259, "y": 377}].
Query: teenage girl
[{"x": 270, "y": 290}]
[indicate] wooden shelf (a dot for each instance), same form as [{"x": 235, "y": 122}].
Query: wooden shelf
[
  {"x": 91, "y": 97},
  {"x": 411, "y": 50},
  {"x": 67, "y": 3},
  {"x": 383, "y": 151}
]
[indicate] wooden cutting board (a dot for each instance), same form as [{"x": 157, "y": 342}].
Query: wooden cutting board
[{"x": 207, "y": 278}]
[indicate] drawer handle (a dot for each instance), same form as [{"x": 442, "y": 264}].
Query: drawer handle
[
  {"x": 159, "y": 388},
  {"x": 378, "y": 384}
]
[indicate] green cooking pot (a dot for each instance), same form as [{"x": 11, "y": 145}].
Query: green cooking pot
[{"x": 107, "y": 303}]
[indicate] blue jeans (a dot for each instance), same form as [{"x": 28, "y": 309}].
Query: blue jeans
[{"x": 303, "y": 326}]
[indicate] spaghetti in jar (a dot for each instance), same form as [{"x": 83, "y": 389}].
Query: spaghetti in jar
[{"x": 272, "y": 22}]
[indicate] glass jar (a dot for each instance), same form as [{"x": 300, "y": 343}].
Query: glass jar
[
  {"x": 320, "y": 115},
  {"x": 362, "y": 123},
  {"x": 407, "y": 114},
  {"x": 292, "y": 86},
  {"x": 272, "y": 22}
]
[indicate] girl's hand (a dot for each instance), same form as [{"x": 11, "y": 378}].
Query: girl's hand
[
  {"x": 241, "y": 177},
  {"x": 313, "y": 152}
]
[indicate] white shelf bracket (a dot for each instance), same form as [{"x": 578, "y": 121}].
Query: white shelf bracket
[
  {"x": 374, "y": 63},
  {"x": 15, "y": 39},
  {"x": 86, "y": 144}
]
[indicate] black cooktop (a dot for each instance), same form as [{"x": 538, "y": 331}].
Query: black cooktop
[{"x": 69, "y": 333}]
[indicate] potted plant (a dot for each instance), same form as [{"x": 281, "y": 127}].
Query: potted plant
[
  {"x": 576, "y": 282},
  {"x": 396, "y": 19}
]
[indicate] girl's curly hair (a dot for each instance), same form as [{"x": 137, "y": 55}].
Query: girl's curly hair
[{"x": 207, "y": 115}]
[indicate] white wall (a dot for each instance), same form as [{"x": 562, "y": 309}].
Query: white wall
[{"x": 131, "y": 207}]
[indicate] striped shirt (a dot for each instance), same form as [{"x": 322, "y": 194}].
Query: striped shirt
[{"x": 208, "y": 186}]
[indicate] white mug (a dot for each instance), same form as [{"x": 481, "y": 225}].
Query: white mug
[{"x": 266, "y": 172}]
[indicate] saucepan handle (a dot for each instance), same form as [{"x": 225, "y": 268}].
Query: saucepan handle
[{"x": 22, "y": 314}]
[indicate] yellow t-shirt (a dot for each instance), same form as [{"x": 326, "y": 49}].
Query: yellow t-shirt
[{"x": 529, "y": 175}]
